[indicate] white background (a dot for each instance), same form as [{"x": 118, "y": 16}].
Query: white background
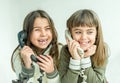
[{"x": 13, "y": 12}]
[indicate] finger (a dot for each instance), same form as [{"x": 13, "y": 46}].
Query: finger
[
  {"x": 44, "y": 60},
  {"x": 49, "y": 57},
  {"x": 75, "y": 45},
  {"x": 72, "y": 44},
  {"x": 25, "y": 47},
  {"x": 44, "y": 57},
  {"x": 67, "y": 41},
  {"x": 42, "y": 68},
  {"x": 41, "y": 65},
  {"x": 69, "y": 44},
  {"x": 92, "y": 48},
  {"x": 90, "y": 51}
]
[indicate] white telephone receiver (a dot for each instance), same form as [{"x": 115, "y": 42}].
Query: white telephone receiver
[{"x": 68, "y": 35}]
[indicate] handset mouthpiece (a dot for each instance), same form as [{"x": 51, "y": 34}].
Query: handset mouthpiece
[
  {"x": 33, "y": 58},
  {"x": 80, "y": 52}
]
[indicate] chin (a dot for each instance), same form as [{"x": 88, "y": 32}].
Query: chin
[{"x": 44, "y": 46}]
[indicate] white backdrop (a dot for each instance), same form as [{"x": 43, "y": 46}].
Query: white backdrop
[{"x": 13, "y": 12}]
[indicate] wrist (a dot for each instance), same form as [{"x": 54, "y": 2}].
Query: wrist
[
  {"x": 27, "y": 64},
  {"x": 76, "y": 57},
  {"x": 52, "y": 74}
]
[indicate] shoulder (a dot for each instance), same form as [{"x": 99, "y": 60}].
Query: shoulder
[
  {"x": 65, "y": 55},
  {"x": 65, "y": 47},
  {"x": 65, "y": 51},
  {"x": 60, "y": 45}
]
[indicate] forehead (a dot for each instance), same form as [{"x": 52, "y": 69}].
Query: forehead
[{"x": 40, "y": 20}]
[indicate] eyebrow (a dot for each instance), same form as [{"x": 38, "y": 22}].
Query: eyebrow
[
  {"x": 36, "y": 27},
  {"x": 75, "y": 29},
  {"x": 91, "y": 29}
]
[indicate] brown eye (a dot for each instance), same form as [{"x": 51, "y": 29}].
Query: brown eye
[
  {"x": 47, "y": 28},
  {"x": 89, "y": 32},
  {"x": 78, "y": 32},
  {"x": 36, "y": 29}
]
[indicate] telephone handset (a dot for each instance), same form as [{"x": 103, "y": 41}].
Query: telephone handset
[
  {"x": 68, "y": 35},
  {"x": 22, "y": 38}
]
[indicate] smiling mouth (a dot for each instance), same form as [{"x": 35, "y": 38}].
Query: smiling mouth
[{"x": 42, "y": 41}]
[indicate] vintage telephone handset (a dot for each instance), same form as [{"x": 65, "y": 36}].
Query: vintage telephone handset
[
  {"x": 22, "y": 38},
  {"x": 68, "y": 35}
]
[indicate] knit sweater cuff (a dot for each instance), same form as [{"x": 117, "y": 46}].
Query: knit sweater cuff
[
  {"x": 85, "y": 62},
  {"x": 53, "y": 74},
  {"x": 74, "y": 64},
  {"x": 78, "y": 64},
  {"x": 28, "y": 72}
]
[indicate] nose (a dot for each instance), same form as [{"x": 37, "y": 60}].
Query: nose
[
  {"x": 83, "y": 36},
  {"x": 43, "y": 33}
]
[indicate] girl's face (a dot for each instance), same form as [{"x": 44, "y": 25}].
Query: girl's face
[
  {"x": 86, "y": 36},
  {"x": 41, "y": 35}
]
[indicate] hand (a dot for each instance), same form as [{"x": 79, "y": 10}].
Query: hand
[
  {"x": 25, "y": 53},
  {"x": 72, "y": 46},
  {"x": 46, "y": 63},
  {"x": 90, "y": 51}
]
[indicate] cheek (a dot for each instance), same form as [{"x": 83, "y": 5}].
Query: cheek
[
  {"x": 33, "y": 37},
  {"x": 93, "y": 39},
  {"x": 75, "y": 37},
  {"x": 50, "y": 34}
]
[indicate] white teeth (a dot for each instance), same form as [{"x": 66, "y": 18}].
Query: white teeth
[
  {"x": 42, "y": 41},
  {"x": 83, "y": 43}
]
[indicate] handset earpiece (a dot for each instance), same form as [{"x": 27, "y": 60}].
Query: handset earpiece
[
  {"x": 68, "y": 36},
  {"x": 22, "y": 38}
]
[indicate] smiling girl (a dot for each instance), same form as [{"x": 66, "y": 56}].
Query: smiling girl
[
  {"x": 41, "y": 40},
  {"x": 86, "y": 32}
]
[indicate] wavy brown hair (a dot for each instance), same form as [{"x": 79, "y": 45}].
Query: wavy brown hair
[
  {"x": 89, "y": 18},
  {"x": 28, "y": 27}
]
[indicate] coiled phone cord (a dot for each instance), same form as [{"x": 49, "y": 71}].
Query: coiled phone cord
[
  {"x": 82, "y": 74},
  {"x": 40, "y": 78}
]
